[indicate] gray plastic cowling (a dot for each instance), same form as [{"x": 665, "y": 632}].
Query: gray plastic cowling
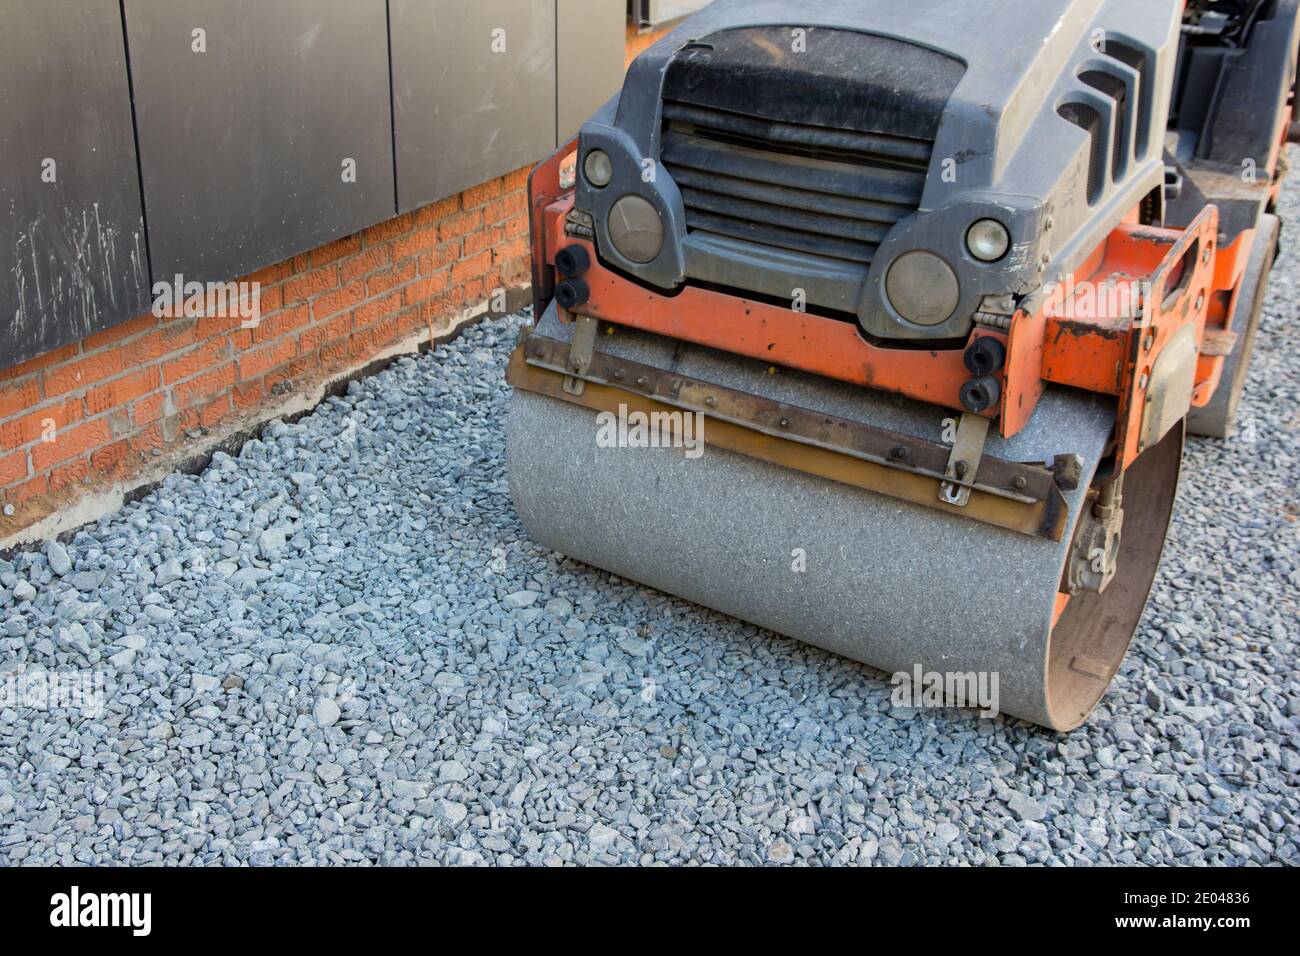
[{"x": 1051, "y": 123}]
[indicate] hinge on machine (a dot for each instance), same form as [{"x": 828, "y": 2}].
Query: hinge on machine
[
  {"x": 1095, "y": 552},
  {"x": 996, "y": 312},
  {"x": 964, "y": 461},
  {"x": 580, "y": 352}
]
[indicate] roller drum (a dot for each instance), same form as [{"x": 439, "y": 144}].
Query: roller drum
[{"x": 887, "y": 583}]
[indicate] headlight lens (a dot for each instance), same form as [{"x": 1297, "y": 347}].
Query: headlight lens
[
  {"x": 988, "y": 240},
  {"x": 922, "y": 288},
  {"x": 598, "y": 168},
  {"x": 636, "y": 229}
]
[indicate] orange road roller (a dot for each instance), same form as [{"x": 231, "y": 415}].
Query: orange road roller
[{"x": 882, "y": 325}]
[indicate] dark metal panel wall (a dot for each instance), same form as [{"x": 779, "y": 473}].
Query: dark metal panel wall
[
  {"x": 72, "y": 251},
  {"x": 473, "y": 92},
  {"x": 589, "y": 65},
  {"x": 243, "y": 146}
]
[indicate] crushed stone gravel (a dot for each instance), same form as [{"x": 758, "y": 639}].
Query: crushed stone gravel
[{"x": 340, "y": 647}]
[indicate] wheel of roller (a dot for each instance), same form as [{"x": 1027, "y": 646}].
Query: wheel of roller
[
  {"x": 1216, "y": 419},
  {"x": 892, "y": 584},
  {"x": 1093, "y": 634}
]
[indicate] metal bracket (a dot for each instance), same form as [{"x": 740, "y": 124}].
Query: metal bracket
[
  {"x": 964, "y": 462},
  {"x": 1095, "y": 552},
  {"x": 1020, "y": 497},
  {"x": 580, "y": 352}
]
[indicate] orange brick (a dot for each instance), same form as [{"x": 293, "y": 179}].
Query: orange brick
[
  {"x": 40, "y": 362},
  {"x": 271, "y": 274},
  {"x": 515, "y": 249},
  {"x": 119, "y": 332},
  {"x": 387, "y": 231},
  {"x": 175, "y": 427},
  {"x": 38, "y": 424},
  {"x": 28, "y": 490},
  {"x": 425, "y": 288},
  {"x": 430, "y": 215},
  {"x": 515, "y": 273},
  {"x": 484, "y": 239},
  {"x": 71, "y": 443},
  {"x": 383, "y": 281},
  {"x": 19, "y": 396},
  {"x": 122, "y": 390},
  {"x": 247, "y": 395},
  {"x": 149, "y": 409},
  {"x": 516, "y": 227},
  {"x": 108, "y": 460},
  {"x": 417, "y": 242},
  {"x": 336, "y": 353},
  {"x": 309, "y": 285},
  {"x": 375, "y": 310},
  {"x": 335, "y": 251},
  {"x": 214, "y": 411},
  {"x": 505, "y": 208},
  {"x": 518, "y": 179},
  {"x": 204, "y": 386},
  {"x": 377, "y": 336},
  {"x": 87, "y": 371},
  {"x": 281, "y": 323},
  {"x": 478, "y": 195},
  {"x": 456, "y": 295},
  {"x": 297, "y": 368},
  {"x": 13, "y": 468},
  {"x": 70, "y": 474},
  {"x": 147, "y": 440},
  {"x": 475, "y": 290},
  {"x": 474, "y": 266},
  {"x": 409, "y": 321},
  {"x": 340, "y": 300},
  {"x": 271, "y": 299},
  {"x": 461, "y": 225},
  {"x": 442, "y": 256},
  {"x": 376, "y": 257},
  {"x": 196, "y": 361},
  {"x": 170, "y": 337},
  {"x": 255, "y": 364},
  {"x": 359, "y": 345},
  {"x": 318, "y": 336}
]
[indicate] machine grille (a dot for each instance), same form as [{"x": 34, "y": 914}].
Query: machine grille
[{"x": 815, "y": 190}]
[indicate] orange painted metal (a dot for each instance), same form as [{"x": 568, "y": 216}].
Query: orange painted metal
[
  {"x": 1229, "y": 270},
  {"x": 1180, "y": 292},
  {"x": 543, "y": 190},
  {"x": 1101, "y": 331},
  {"x": 770, "y": 333},
  {"x": 1062, "y": 600}
]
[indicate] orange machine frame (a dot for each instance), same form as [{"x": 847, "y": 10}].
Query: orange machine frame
[{"x": 1182, "y": 275}]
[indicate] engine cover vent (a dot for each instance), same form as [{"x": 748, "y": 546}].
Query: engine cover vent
[{"x": 817, "y": 153}]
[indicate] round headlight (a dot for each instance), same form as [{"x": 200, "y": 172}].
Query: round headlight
[
  {"x": 922, "y": 288},
  {"x": 636, "y": 229},
  {"x": 988, "y": 240},
  {"x": 598, "y": 168}
]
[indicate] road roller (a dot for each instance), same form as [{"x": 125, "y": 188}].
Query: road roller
[{"x": 940, "y": 286}]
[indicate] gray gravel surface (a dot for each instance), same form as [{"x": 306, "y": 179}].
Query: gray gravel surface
[{"x": 339, "y": 647}]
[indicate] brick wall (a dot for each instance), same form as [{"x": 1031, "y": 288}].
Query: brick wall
[
  {"x": 82, "y": 426},
  {"x": 85, "y": 425}
]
